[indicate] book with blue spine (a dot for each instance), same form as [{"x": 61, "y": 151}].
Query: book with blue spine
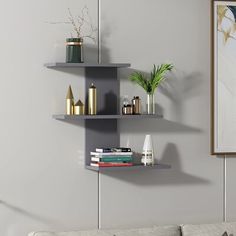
[{"x": 101, "y": 154}]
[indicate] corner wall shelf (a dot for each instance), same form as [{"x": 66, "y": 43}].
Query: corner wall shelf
[{"x": 102, "y": 130}]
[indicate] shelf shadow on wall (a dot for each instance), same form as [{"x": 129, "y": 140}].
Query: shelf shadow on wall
[
  {"x": 27, "y": 213},
  {"x": 173, "y": 176},
  {"x": 110, "y": 103},
  {"x": 153, "y": 126}
]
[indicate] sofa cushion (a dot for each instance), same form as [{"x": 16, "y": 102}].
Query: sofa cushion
[
  {"x": 152, "y": 231},
  {"x": 209, "y": 229}
]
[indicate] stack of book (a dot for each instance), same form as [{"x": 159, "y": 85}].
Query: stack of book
[{"x": 111, "y": 157}]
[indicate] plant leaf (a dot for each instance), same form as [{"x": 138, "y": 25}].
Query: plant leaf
[{"x": 156, "y": 77}]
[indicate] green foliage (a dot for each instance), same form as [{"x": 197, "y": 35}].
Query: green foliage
[{"x": 156, "y": 77}]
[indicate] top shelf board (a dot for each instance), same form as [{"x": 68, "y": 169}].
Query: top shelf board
[{"x": 86, "y": 65}]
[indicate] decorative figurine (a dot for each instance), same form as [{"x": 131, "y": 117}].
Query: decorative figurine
[
  {"x": 69, "y": 102},
  {"x": 79, "y": 108},
  {"x": 92, "y": 100}
]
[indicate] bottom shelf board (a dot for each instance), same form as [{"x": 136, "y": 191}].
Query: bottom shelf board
[{"x": 134, "y": 167}]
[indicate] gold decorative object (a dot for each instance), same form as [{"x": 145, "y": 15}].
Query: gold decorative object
[
  {"x": 127, "y": 109},
  {"x": 79, "y": 108},
  {"x": 136, "y": 102},
  {"x": 69, "y": 102},
  {"x": 92, "y": 100}
]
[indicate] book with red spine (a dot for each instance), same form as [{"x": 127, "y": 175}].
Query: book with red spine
[{"x": 105, "y": 164}]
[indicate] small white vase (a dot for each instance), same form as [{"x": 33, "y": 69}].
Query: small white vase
[{"x": 147, "y": 154}]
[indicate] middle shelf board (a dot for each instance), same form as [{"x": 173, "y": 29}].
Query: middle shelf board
[
  {"x": 126, "y": 168},
  {"x": 105, "y": 117}
]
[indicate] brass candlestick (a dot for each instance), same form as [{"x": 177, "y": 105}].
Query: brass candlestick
[
  {"x": 92, "y": 100},
  {"x": 79, "y": 108},
  {"x": 69, "y": 102}
]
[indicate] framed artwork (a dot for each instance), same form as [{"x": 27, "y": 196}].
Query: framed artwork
[{"x": 223, "y": 77}]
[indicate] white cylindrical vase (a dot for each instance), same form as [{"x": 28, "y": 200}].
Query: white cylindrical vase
[{"x": 147, "y": 154}]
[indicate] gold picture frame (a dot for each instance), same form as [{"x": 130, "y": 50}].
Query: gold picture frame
[{"x": 223, "y": 77}]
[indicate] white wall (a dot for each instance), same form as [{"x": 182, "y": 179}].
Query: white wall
[
  {"x": 156, "y": 32},
  {"x": 43, "y": 185}
]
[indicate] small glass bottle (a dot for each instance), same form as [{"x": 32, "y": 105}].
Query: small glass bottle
[
  {"x": 127, "y": 108},
  {"x": 126, "y": 100}
]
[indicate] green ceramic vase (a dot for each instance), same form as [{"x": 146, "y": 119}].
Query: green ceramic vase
[{"x": 74, "y": 50}]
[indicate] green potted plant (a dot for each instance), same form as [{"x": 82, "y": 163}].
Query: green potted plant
[
  {"x": 150, "y": 84},
  {"x": 82, "y": 28}
]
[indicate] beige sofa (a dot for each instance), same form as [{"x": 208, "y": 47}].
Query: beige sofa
[{"x": 184, "y": 230}]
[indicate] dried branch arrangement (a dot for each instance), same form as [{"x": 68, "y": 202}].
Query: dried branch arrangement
[{"x": 81, "y": 24}]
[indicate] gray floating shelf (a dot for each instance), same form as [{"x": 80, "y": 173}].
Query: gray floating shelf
[
  {"x": 135, "y": 167},
  {"x": 86, "y": 65},
  {"x": 103, "y": 130},
  {"x": 104, "y": 117}
]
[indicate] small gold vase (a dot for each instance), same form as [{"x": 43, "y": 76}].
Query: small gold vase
[
  {"x": 69, "y": 102},
  {"x": 92, "y": 100}
]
